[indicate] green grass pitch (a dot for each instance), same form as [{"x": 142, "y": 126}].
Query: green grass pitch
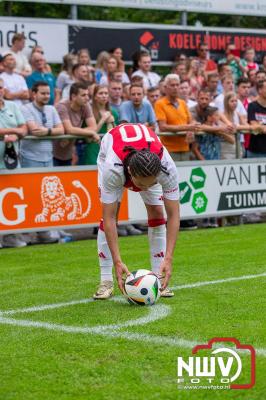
[{"x": 66, "y": 352}]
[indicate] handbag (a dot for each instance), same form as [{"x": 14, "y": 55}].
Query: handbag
[{"x": 10, "y": 156}]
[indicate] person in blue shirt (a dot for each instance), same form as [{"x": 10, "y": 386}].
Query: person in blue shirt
[
  {"x": 39, "y": 74},
  {"x": 137, "y": 109}
]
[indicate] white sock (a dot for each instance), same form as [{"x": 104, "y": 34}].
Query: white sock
[
  {"x": 105, "y": 257},
  {"x": 157, "y": 240}
]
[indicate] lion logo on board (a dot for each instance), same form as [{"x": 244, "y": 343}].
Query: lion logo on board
[{"x": 59, "y": 207}]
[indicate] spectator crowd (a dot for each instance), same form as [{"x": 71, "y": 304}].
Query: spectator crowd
[{"x": 202, "y": 105}]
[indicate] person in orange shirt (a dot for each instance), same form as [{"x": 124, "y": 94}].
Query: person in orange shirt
[{"x": 173, "y": 116}]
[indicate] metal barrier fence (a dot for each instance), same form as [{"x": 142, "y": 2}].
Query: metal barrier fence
[
  {"x": 35, "y": 199},
  {"x": 161, "y": 134}
]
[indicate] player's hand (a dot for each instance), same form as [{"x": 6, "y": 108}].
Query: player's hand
[
  {"x": 120, "y": 270},
  {"x": 165, "y": 273}
]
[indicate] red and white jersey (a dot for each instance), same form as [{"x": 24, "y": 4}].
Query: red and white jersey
[{"x": 111, "y": 156}]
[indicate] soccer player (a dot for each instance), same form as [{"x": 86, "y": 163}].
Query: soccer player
[{"x": 132, "y": 156}]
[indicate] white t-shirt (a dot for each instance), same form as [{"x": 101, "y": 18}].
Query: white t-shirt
[
  {"x": 14, "y": 83},
  {"x": 112, "y": 178},
  {"x": 219, "y": 103},
  {"x": 150, "y": 79},
  {"x": 22, "y": 63},
  {"x": 104, "y": 79}
]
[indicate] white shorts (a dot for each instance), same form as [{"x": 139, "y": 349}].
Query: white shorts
[{"x": 153, "y": 196}]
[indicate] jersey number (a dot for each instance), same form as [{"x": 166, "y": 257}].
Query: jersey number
[{"x": 140, "y": 133}]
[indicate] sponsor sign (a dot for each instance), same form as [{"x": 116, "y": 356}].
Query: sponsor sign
[
  {"x": 35, "y": 200},
  {"x": 221, "y": 364},
  {"x": 41, "y": 33},
  {"x": 31, "y": 199},
  {"x": 162, "y": 43},
  {"x": 216, "y": 189}
]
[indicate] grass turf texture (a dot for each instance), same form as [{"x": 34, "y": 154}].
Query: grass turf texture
[{"x": 40, "y": 364}]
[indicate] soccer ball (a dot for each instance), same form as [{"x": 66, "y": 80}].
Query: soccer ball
[{"x": 142, "y": 287}]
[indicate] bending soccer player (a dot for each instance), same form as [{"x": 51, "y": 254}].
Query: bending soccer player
[{"x": 132, "y": 156}]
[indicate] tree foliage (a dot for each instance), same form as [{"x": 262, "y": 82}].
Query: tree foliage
[{"x": 62, "y": 11}]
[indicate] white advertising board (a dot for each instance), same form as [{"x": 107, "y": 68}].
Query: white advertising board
[
  {"x": 215, "y": 189},
  {"x": 53, "y": 37}
]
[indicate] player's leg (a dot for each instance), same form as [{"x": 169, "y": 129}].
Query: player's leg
[
  {"x": 156, "y": 229},
  {"x": 106, "y": 287},
  {"x": 156, "y": 235}
]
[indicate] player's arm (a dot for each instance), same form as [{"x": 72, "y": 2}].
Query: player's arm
[
  {"x": 173, "y": 221},
  {"x": 109, "y": 220}
]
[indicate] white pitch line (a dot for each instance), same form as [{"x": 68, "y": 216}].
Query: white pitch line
[
  {"x": 120, "y": 298},
  {"x": 232, "y": 279},
  {"x": 112, "y": 330},
  {"x": 46, "y": 307},
  {"x": 140, "y": 337},
  {"x": 156, "y": 313}
]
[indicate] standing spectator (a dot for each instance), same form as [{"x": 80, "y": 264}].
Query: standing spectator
[
  {"x": 22, "y": 64},
  {"x": 228, "y": 146},
  {"x": 212, "y": 85},
  {"x": 259, "y": 77},
  {"x": 12, "y": 127},
  {"x": 115, "y": 95},
  {"x": 111, "y": 68},
  {"x": 74, "y": 113},
  {"x": 106, "y": 118},
  {"x": 42, "y": 120},
  {"x": 243, "y": 88},
  {"x": 207, "y": 65},
  {"x": 263, "y": 63},
  {"x": 213, "y": 124},
  {"x": 162, "y": 87},
  {"x": 79, "y": 75},
  {"x": 65, "y": 76},
  {"x": 228, "y": 86},
  {"x": 84, "y": 58},
  {"x": 173, "y": 116},
  {"x": 249, "y": 57},
  {"x": 101, "y": 65},
  {"x": 39, "y": 74},
  {"x": 153, "y": 94},
  {"x": 257, "y": 115},
  {"x": 150, "y": 78},
  {"x": 180, "y": 57},
  {"x": 237, "y": 65},
  {"x": 180, "y": 68},
  {"x": 117, "y": 52},
  {"x": 15, "y": 85},
  {"x": 184, "y": 93},
  {"x": 207, "y": 146},
  {"x": 195, "y": 77},
  {"x": 252, "y": 79},
  {"x": 39, "y": 49},
  {"x": 137, "y": 110}
]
